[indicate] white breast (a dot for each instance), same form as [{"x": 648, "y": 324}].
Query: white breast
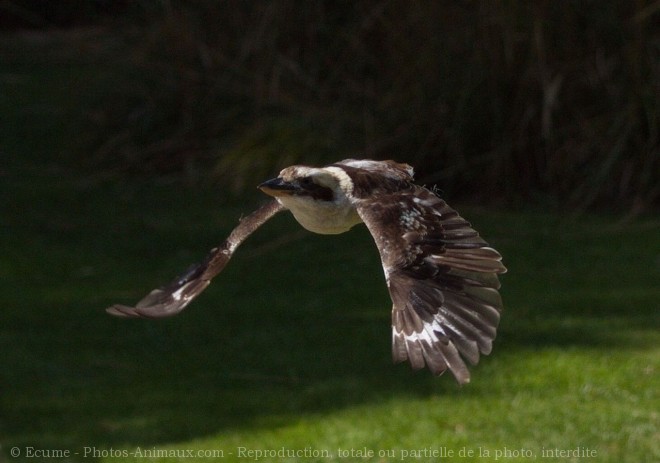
[{"x": 325, "y": 218}]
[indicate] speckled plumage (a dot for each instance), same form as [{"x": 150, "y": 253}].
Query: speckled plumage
[{"x": 441, "y": 275}]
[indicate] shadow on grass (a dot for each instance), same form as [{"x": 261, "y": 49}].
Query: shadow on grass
[
  {"x": 302, "y": 329},
  {"x": 286, "y": 332}
]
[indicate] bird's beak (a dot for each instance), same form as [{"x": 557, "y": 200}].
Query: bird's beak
[{"x": 278, "y": 187}]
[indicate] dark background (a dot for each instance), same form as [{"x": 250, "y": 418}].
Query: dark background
[
  {"x": 542, "y": 102},
  {"x": 132, "y": 135}
]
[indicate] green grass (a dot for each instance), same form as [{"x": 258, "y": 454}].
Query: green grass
[{"x": 257, "y": 364}]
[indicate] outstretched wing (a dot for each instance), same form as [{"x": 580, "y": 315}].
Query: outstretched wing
[
  {"x": 174, "y": 297},
  {"x": 442, "y": 278}
]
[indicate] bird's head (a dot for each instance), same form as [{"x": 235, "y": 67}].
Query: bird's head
[
  {"x": 328, "y": 184},
  {"x": 319, "y": 198}
]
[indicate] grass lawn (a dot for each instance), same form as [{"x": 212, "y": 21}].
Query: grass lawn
[
  {"x": 258, "y": 366},
  {"x": 255, "y": 364}
]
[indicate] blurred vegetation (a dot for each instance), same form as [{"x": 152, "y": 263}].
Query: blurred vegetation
[
  {"x": 554, "y": 103},
  {"x": 161, "y": 91}
]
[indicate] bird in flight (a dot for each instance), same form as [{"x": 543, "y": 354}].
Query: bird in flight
[{"x": 441, "y": 275}]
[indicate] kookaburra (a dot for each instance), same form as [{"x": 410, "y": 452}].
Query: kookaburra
[{"x": 441, "y": 276}]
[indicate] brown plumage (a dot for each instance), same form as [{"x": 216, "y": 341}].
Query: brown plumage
[{"x": 441, "y": 275}]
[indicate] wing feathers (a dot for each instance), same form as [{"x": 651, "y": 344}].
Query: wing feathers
[
  {"x": 484, "y": 260},
  {"x": 454, "y": 361},
  {"x": 174, "y": 297},
  {"x": 415, "y": 355},
  {"x": 441, "y": 275},
  {"x": 442, "y": 278},
  {"x": 469, "y": 348}
]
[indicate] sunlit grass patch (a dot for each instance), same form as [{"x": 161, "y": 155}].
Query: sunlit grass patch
[
  {"x": 540, "y": 407},
  {"x": 279, "y": 355},
  {"x": 290, "y": 347}
]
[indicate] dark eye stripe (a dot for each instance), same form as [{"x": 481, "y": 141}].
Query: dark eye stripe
[
  {"x": 319, "y": 192},
  {"x": 314, "y": 190}
]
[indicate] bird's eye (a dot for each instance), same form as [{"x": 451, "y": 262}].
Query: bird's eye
[{"x": 306, "y": 181}]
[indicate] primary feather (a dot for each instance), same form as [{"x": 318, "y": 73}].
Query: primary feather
[{"x": 441, "y": 275}]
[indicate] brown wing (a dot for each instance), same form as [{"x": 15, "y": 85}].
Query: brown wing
[
  {"x": 174, "y": 297},
  {"x": 442, "y": 278}
]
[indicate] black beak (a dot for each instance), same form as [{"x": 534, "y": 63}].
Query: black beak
[{"x": 278, "y": 187}]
